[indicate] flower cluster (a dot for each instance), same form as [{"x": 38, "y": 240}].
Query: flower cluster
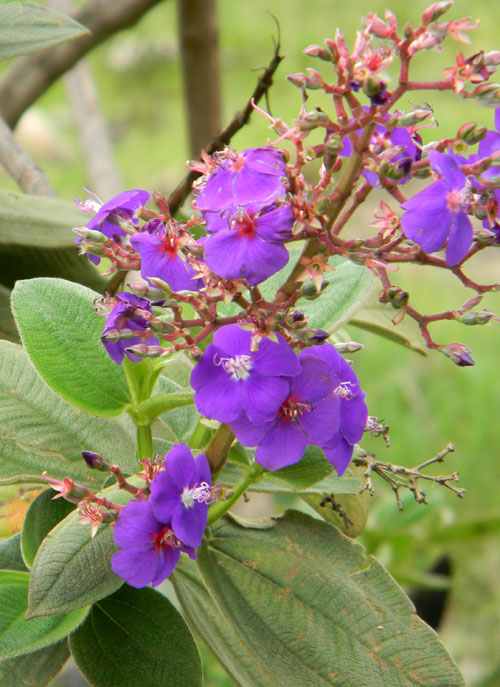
[
  {"x": 281, "y": 402},
  {"x": 152, "y": 533}
]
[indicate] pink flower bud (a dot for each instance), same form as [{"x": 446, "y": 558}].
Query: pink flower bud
[
  {"x": 318, "y": 51},
  {"x": 435, "y": 11},
  {"x": 458, "y": 353}
]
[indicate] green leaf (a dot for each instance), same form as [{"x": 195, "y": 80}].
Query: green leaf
[
  {"x": 61, "y": 332},
  {"x": 177, "y": 425},
  {"x": 18, "y": 636},
  {"x": 309, "y": 608},
  {"x": 43, "y": 514},
  {"x": 36, "y": 669},
  {"x": 146, "y": 637},
  {"x": 71, "y": 569},
  {"x": 8, "y": 329},
  {"x": 348, "y": 289},
  {"x": 378, "y": 320},
  {"x": 40, "y": 431},
  {"x": 26, "y": 28},
  {"x": 312, "y": 468},
  {"x": 10, "y": 553}
]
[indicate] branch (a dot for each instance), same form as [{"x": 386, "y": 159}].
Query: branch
[
  {"x": 32, "y": 75},
  {"x": 20, "y": 166},
  {"x": 179, "y": 195},
  {"x": 198, "y": 33},
  {"x": 400, "y": 477}
]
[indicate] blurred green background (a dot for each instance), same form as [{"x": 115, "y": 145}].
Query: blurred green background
[{"x": 426, "y": 400}]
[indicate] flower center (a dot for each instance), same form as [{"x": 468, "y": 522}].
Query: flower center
[
  {"x": 238, "y": 367},
  {"x": 245, "y": 226},
  {"x": 344, "y": 391},
  {"x": 293, "y": 409},
  {"x": 455, "y": 200},
  {"x": 165, "y": 539},
  {"x": 203, "y": 493}
]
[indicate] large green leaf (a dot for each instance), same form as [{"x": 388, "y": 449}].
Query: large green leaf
[
  {"x": 61, "y": 332},
  {"x": 40, "y": 431},
  {"x": 10, "y": 553},
  {"x": 307, "y": 607},
  {"x": 36, "y": 240},
  {"x": 36, "y": 669},
  {"x": 26, "y": 27},
  {"x": 72, "y": 570},
  {"x": 146, "y": 637},
  {"x": 18, "y": 636},
  {"x": 44, "y": 513}
]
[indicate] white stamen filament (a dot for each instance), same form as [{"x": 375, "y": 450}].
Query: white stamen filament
[{"x": 238, "y": 367}]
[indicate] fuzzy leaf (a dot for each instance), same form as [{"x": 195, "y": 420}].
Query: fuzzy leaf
[
  {"x": 303, "y": 605},
  {"x": 43, "y": 515},
  {"x": 39, "y": 431},
  {"x": 36, "y": 669},
  {"x": 61, "y": 333},
  {"x": 10, "y": 553},
  {"x": 147, "y": 638},
  {"x": 26, "y": 27},
  {"x": 18, "y": 636}
]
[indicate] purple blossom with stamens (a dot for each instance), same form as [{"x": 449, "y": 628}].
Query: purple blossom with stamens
[
  {"x": 122, "y": 207},
  {"x": 438, "y": 215},
  {"x": 232, "y": 380},
  {"x": 180, "y": 494},
  {"x": 325, "y": 407},
  {"x": 248, "y": 243},
  {"x": 149, "y": 549},
  {"x": 161, "y": 257},
  {"x": 251, "y": 177},
  {"x": 126, "y": 315}
]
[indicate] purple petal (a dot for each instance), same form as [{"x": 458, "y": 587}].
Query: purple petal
[
  {"x": 167, "y": 559},
  {"x": 275, "y": 225},
  {"x": 261, "y": 397},
  {"x": 447, "y": 168},
  {"x": 276, "y": 358},
  {"x": 265, "y": 160},
  {"x": 460, "y": 239},
  {"x": 218, "y": 192},
  {"x": 232, "y": 256},
  {"x": 248, "y": 433},
  {"x": 136, "y": 525},
  {"x": 314, "y": 382},
  {"x": 340, "y": 456},
  {"x": 189, "y": 524},
  {"x": 180, "y": 466},
  {"x": 216, "y": 394},
  {"x": 322, "y": 421},
  {"x": 137, "y": 566},
  {"x": 233, "y": 340},
  {"x": 429, "y": 199},
  {"x": 283, "y": 445},
  {"x": 201, "y": 470},
  {"x": 353, "y": 416},
  {"x": 429, "y": 229}
]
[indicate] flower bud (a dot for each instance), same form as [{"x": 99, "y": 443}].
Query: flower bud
[
  {"x": 332, "y": 46},
  {"x": 348, "y": 347},
  {"x": 487, "y": 94},
  {"x": 312, "y": 120},
  {"x": 492, "y": 59},
  {"x": 485, "y": 236},
  {"x": 472, "y": 133},
  {"x": 319, "y": 336},
  {"x": 476, "y": 317},
  {"x": 113, "y": 335},
  {"x": 144, "y": 351},
  {"x": 309, "y": 290},
  {"x": 298, "y": 316},
  {"x": 161, "y": 285},
  {"x": 458, "y": 353},
  {"x": 90, "y": 234},
  {"x": 95, "y": 461},
  {"x": 409, "y": 119},
  {"x": 435, "y": 11},
  {"x": 318, "y": 51},
  {"x": 142, "y": 289}
]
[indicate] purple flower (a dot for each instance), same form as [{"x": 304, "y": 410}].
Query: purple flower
[
  {"x": 180, "y": 494},
  {"x": 251, "y": 177},
  {"x": 231, "y": 379},
  {"x": 325, "y": 406},
  {"x": 248, "y": 244},
  {"x": 149, "y": 548},
  {"x": 489, "y": 145},
  {"x": 126, "y": 315},
  {"x": 438, "y": 214},
  {"x": 161, "y": 257},
  {"x": 122, "y": 207}
]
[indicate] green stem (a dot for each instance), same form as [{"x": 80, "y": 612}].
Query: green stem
[
  {"x": 219, "y": 509},
  {"x": 144, "y": 442},
  {"x": 200, "y": 436}
]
